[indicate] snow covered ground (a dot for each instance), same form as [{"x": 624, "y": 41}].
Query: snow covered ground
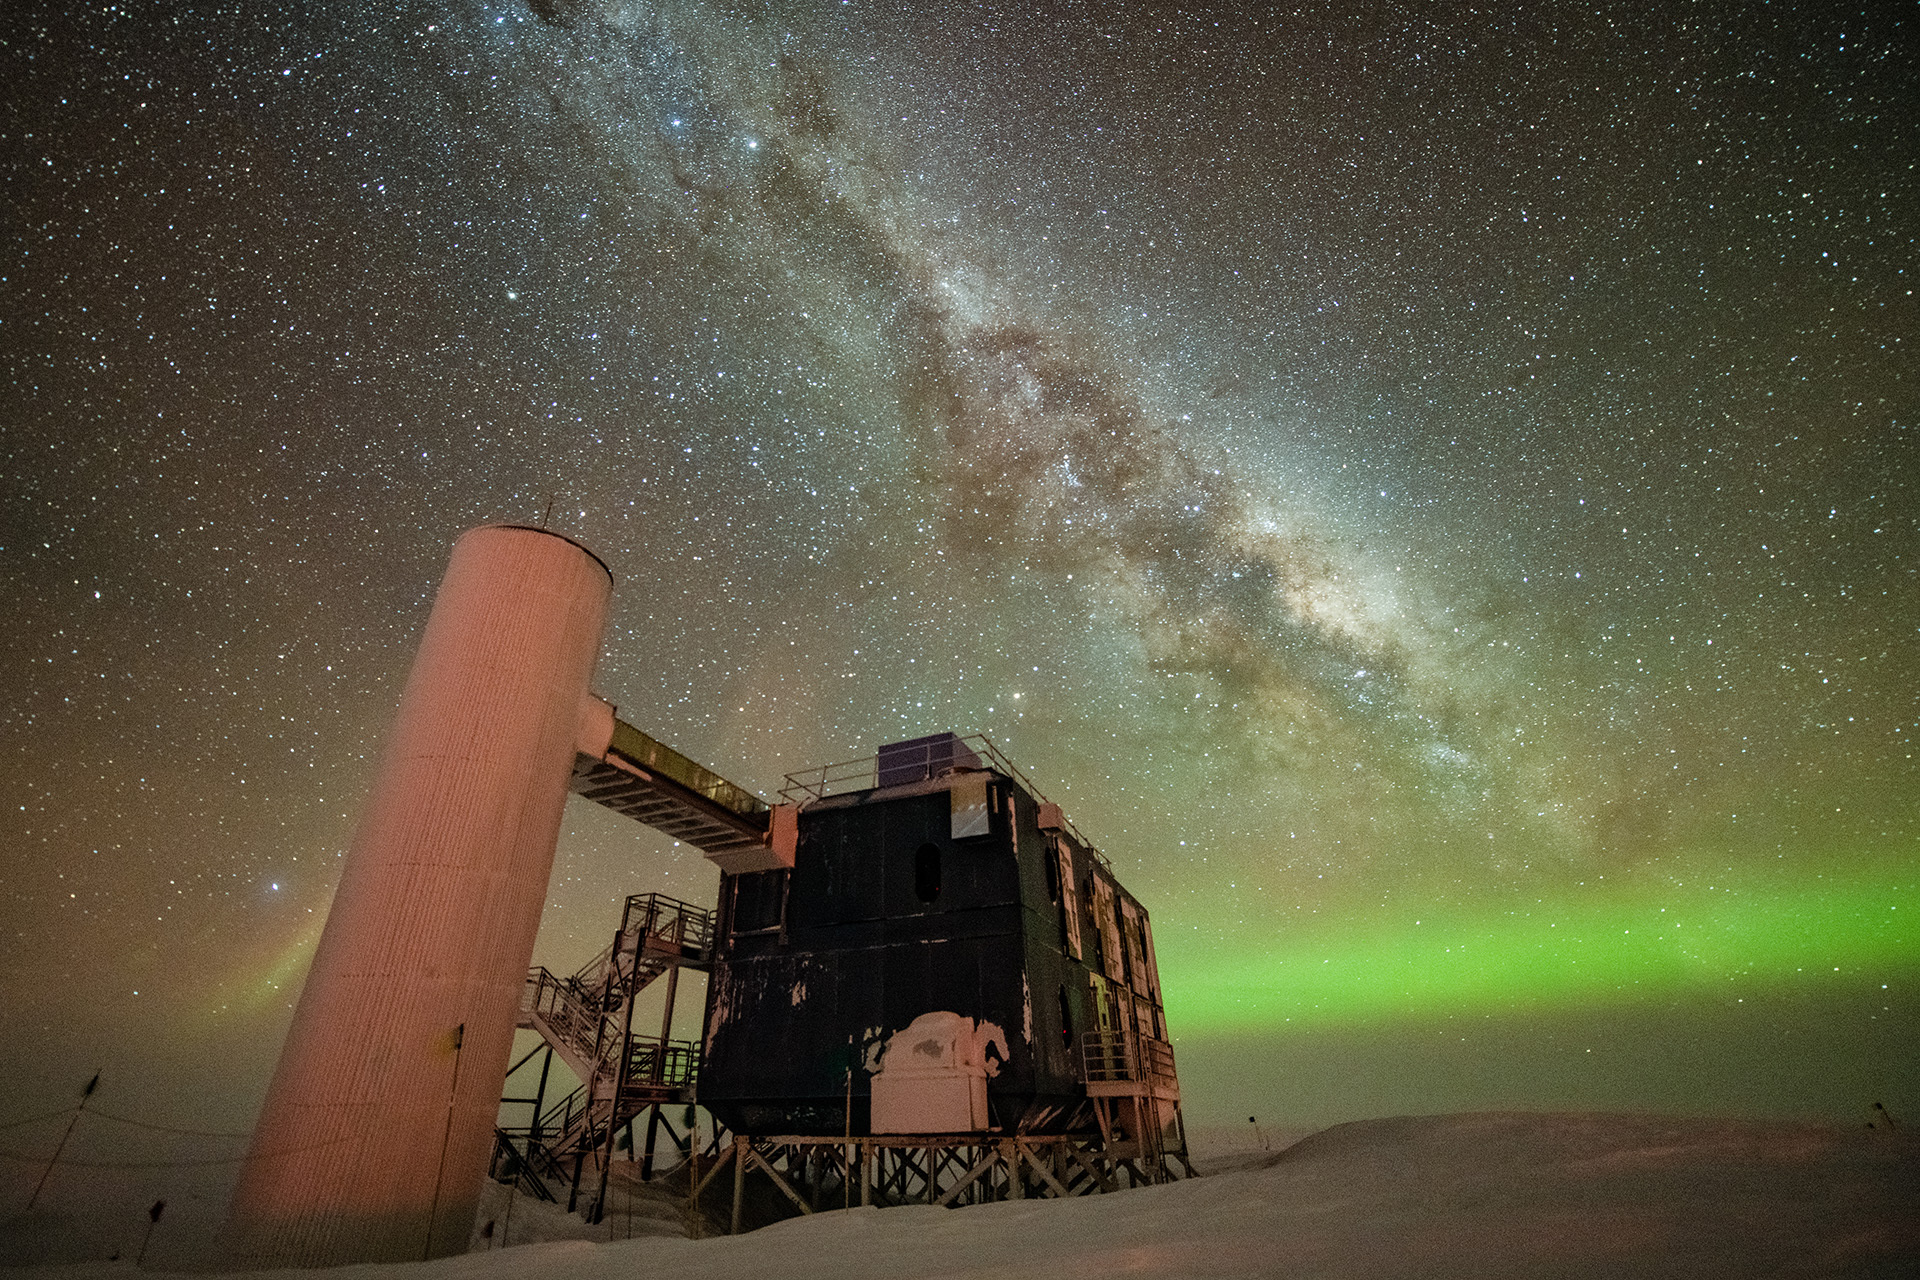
[{"x": 1480, "y": 1195}]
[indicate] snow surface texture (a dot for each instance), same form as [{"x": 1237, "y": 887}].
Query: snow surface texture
[{"x": 1482, "y": 1195}]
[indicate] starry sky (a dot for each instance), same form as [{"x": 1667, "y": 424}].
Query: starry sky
[{"x": 1430, "y": 490}]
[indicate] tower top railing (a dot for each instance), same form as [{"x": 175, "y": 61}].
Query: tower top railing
[{"x": 863, "y": 774}]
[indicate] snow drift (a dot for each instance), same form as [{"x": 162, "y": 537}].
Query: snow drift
[{"x": 1482, "y": 1195}]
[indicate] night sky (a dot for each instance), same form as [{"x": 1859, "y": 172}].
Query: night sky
[{"x": 1431, "y": 492}]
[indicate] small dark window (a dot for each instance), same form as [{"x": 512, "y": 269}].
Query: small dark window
[
  {"x": 1066, "y": 1020},
  {"x": 926, "y": 872},
  {"x": 759, "y": 901},
  {"x": 1052, "y": 859}
]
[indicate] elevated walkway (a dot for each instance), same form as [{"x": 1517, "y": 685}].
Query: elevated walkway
[{"x": 641, "y": 777}]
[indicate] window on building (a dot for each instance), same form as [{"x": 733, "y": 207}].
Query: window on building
[{"x": 759, "y": 901}]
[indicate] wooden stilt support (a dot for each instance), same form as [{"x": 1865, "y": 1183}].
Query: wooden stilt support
[
  {"x": 741, "y": 1148},
  {"x": 981, "y": 1167},
  {"x": 765, "y": 1166},
  {"x": 1094, "y": 1171},
  {"x": 1046, "y": 1174},
  {"x": 694, "y": 1221},
  {"x": 725, "y": 1157},
  {"x": 963, "y": 1169},
  {"x": 653, "y": 1131},
  {"x": 1010, "y": 1156}
]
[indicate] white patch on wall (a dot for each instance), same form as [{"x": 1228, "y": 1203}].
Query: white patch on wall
[
  {"x": 721, "y": 1012},
  {"x": 799, "y": 993},
  {"x": 875, "y": 1040},
  {"x": 989, "y": 1035},
  {"x": 933, "y": 1075},
  {"x": 1026, "y": 1008},
  {"x": 967, "y": 801}
]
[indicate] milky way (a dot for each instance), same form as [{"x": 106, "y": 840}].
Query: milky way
[{"x": 1431, "y": 496}]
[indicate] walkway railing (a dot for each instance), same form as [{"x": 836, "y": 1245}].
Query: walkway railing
[{"x": 1113, "y": 1057}]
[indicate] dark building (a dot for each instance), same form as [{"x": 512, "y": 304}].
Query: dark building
[{"x": 946, "y": 955}]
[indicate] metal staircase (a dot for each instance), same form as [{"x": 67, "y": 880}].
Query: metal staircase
[{"x": 586, "y": 1020}]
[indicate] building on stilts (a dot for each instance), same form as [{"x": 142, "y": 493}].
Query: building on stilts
[{"x": 924, "y": 986}]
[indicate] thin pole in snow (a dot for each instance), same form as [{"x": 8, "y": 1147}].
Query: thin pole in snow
[
  {"x": 153, "y": 1220},
  {"x": 85, "y": 1094}
]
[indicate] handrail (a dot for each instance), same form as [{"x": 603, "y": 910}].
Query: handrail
[
  {"x": 650, "y": 1065},
  {"x": 654, "y": 1064},
  {"x": 555, "y": 1120},
  {"x": 594, "y": 968},
  {"x": 564, "y": 1005},
  {"x": 656, "y": 914},
  {"x": 1116, "y": 1057}
]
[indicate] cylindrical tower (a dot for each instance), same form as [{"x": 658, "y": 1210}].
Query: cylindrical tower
[{"x": 379, "y": 1122}]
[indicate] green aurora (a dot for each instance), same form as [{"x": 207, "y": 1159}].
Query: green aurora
[{"x": 1625, "y": 940}]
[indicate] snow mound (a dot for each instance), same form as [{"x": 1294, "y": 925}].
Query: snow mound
[{"x": 1479, "y": 1195}]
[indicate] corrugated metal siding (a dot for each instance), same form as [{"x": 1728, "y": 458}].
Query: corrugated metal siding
[{"x": 433, "y": 924}]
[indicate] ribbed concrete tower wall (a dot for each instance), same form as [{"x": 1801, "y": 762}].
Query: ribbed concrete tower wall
[{"x": 376, "y": 1132}]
